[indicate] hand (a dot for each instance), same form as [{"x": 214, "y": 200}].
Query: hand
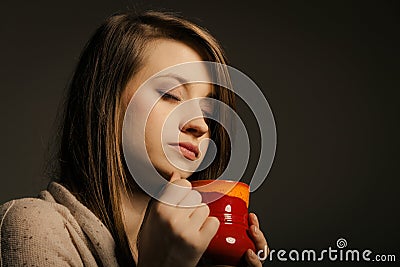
[
  {"x": 172, "y": 235},
  {"x": 250, "y": 257},
  {"x": 259, "y": 240}
]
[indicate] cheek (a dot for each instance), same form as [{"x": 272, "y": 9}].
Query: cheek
[
  {"x": 152, "y": 129},
  {"x": 204, "y": 144},
  {"x": 154, "y": 125}
]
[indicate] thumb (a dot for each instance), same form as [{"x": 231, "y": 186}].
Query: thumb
[{"x": 175, "y": 176}]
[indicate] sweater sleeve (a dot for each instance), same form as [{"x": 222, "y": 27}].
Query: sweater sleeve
[{"x": 32, "y": 233}]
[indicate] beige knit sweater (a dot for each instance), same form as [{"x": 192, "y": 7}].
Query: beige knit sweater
[{"x": 53, "y": 230}]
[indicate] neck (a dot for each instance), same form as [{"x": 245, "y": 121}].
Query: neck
[{"x": 134, "y": 206}]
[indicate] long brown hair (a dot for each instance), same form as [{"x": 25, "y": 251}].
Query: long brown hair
[{"x": 91, "y": 159}]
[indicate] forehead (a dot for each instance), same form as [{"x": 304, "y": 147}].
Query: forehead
[{"x": 161, "y": 57}]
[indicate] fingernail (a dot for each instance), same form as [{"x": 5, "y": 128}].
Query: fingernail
[
  {"x": 255, "y": 230},
  {"x": 255, "y": 217},
  {"x": 252, "y": 254}
]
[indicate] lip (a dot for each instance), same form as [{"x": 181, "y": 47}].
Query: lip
[{"x": 188, "y": 150}]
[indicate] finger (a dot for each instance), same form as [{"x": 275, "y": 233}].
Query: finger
[
  {"x": 174, "y": 192},
  {"x": 188, "y": 204},
  {"x": 258, "y": 237},
  {"x": 254, "y": 220},
  {"x": 209, "y": 228},
  {"x": 191, "y": 200},
  {"x": 252, "y": 259},
  {"x": 199, "y": 216}
]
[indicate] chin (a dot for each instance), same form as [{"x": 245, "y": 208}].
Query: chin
[{"x": 168, "y": 171}]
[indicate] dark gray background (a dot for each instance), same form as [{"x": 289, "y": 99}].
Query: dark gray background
[{"x": 329, "y": 69}]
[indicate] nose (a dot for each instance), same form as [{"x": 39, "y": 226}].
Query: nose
[{"x": 196, "y": 127}]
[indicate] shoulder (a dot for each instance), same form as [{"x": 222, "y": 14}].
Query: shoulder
[
  {"x": 26, "y": 207},
  {"x": 29, "y": 215},
  {"x": 33, "y": 231}
]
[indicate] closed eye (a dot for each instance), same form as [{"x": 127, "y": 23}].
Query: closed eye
[{"x": 168, "y": 96}]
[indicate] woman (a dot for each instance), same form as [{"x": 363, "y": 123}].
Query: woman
[{"x": 94, "y": 213}]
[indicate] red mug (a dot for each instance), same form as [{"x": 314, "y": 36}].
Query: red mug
[{"x": 228, "y": 201}]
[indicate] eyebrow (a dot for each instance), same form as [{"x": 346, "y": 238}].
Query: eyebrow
[{"x": 183, "y": 81}]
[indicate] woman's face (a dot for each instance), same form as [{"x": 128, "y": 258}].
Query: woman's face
[{"x": 172, "y": 141}]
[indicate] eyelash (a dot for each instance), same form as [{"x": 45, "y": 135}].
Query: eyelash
[{"x": 169, "y": 96}]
